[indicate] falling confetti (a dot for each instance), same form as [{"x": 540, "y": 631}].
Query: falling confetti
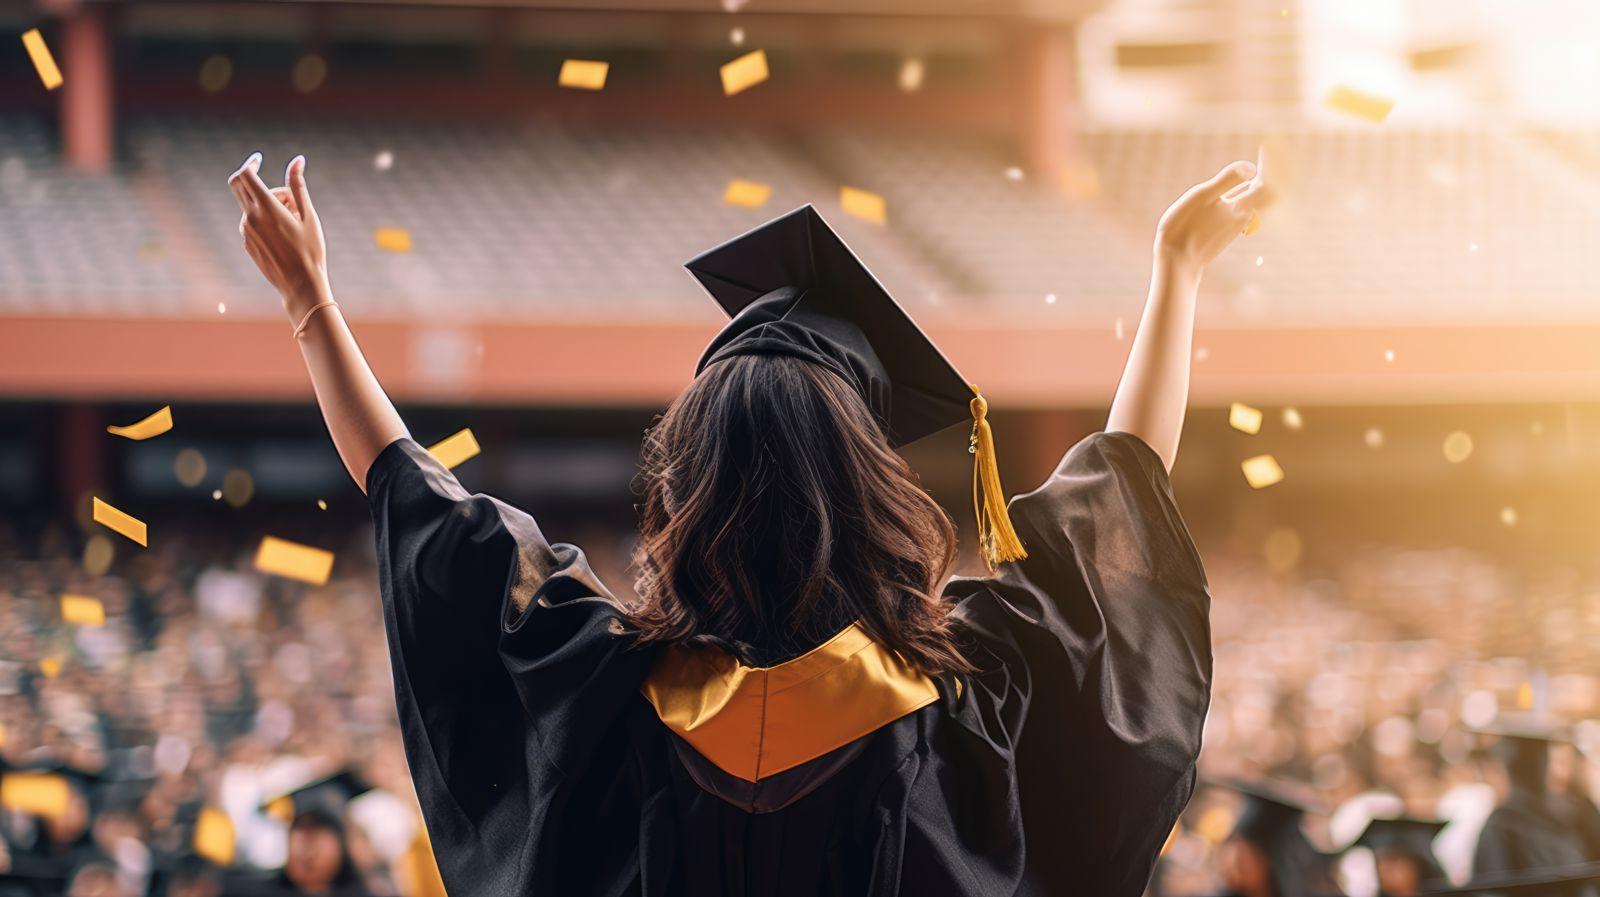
[
  {"x": 749, "y": 194},
  {"x": 43, "y": 62},
  {"x": 1359, "y": 103},
  {"x": 1049, "y": 298},
  {"x": 214, "y": 837},
  {"x": 1245, "y": 419},
  {"x": 50, "y": 666},
  {"x": 736, "y": 37},
  {"x": 322, "y": 505},
  {"x": 383, "y": 161},
  {"x": 44, "y": 794},
  {"x": 222, "y": 308},
  {"x": 157, "y": 423},
  {"x": 583, "y": 74},
  {"x": 392, "y": 239},
  {"x": 122, "y": 524},
  {"x": 1261, "y": 471},
  {"x": 1116, "y": 328},
  {"x": 1457, "y": 447},
  {"x": 1013, "y": 173},
  {"x": 1250, "y": 228},
  {"x": 281, "y": 557},
  {"x": 1292, "y": 419},
  {"x": 82, "y": 610},
  {"x": 863, "y": 204},
  {"x": 1260, "y": 260},
  {"x": 745, "y": 72},
  {"x": 455, "y": 448},
  {"x": 1388, "y": 355},
  {"x": 1508, "y": 516},
  {"x": 216, "y": 495},
  {"x": 1373, "y": 438}
]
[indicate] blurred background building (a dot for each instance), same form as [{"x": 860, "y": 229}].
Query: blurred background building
[{"x": 1417, "y": 320}]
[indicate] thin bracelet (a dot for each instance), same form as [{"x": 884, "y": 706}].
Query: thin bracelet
[{"x": 305, "y": 321}]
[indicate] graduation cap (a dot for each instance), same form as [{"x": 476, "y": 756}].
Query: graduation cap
[
  {"x": 792, "y": 287},
  {"x": 324, "y": 798},
  {"x": 1527, "y": 726},
  {"x": 1406, "y": 835},
  {"x": 45, "y": 790},
  {"x": 1271, "y": 809},
  {"x": 1270, "y": 819}
]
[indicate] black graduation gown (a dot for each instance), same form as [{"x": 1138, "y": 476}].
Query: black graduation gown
[
  {"x": 1530, "y": 832},
  {"x": 1059, "y": 767}
]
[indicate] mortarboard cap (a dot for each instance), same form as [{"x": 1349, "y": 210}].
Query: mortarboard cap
[
  {"x": 1527, "y": 726},
  {"x": 1408, "y": 833},
  {"x": 1270, "y": 808},
  {"x": 792, "y": 287},
  {"x": 324, "y": 797}
]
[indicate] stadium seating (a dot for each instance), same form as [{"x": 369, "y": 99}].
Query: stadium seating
[{"x": 531, "y": 219}]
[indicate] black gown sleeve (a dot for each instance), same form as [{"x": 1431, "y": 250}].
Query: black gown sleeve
[
  {"x": 1094, "y": 657},
  {"x": 508, "y": 664}
]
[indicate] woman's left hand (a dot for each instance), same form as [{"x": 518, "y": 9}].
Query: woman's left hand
[
  {"x": 282, "y": 234},
  {"x": 1212, "y": 214}
]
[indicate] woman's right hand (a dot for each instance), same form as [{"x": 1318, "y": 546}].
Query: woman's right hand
[
  {"x": 281, "y": 233},
  {"x": 1212, "y": 214}
]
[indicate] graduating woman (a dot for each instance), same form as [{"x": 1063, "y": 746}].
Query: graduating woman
[{"x": 798, "y": 703}]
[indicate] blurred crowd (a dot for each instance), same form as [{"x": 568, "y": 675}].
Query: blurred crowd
[{"x": 185, "y": 726}]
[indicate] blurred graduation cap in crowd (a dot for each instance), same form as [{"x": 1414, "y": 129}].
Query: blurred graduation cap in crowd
[
  {"x": 46, "y": 789},
  {"x": 324, "y": 798},
  {"x": 1407, "y": 836},
  {"x": 1270, "y": 819},
  {"x": 792, "y": 287},
  {"x": 1527, "y": 726}
]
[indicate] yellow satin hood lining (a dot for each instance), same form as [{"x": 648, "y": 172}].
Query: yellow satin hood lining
[{"x": 754, "y": 722}]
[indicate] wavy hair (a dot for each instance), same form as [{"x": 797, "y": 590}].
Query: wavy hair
[{"x": 774, "y": 514}]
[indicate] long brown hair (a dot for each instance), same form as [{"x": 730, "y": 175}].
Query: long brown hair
[{"x": 775, "y": 513}]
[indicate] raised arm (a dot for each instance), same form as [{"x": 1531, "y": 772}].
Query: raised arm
[
  {"x": 283, "y": 236},
  {"x": 1154, "y": 390}
]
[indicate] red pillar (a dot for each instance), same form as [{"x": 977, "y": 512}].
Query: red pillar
[
  {"x": 81, "y": 440},
  {"x": 1049, "y": 87},
  {"x": 86, "y": 101}
]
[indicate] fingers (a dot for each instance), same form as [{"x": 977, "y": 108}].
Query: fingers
[
  {"x": 295, "y": 177},
  {"x": 1231, "y": 176},
  {"x": 282, "y": 195},
  {"x": 236, "y": 183}
]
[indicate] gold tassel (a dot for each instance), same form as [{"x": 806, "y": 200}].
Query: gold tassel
[{"x": 997, "y": 539}]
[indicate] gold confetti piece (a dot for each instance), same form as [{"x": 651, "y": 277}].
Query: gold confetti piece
[
  {"x": 1525, "y": 696},
  {"x": 1373, "y": 438},
  {"x": 1359, "y": 103},
  {"x": 43, "y": 62},
  {"x": 82, "y": 610},
  {"x": 912, "y": 72},
  {"x": 214, "y": 836},
  {"x": 154, "y": 425},
  {"x": 749, "y": 194},
  {"x": 322, "y": 505},
  {"x": 1457, "y": 447},
  {"x": 863, "y": 204},
  {"x": 1508, "y": 516},
  {"x": 50, "y": 666},
  {"x": 281, "y": 809},
  {"x": 36, "y": 793},
  {"x": 1261, "y": 471},
  {"x": 1245, "y": 419},
  {"x": 454, "y": 449},
  {"x": 1253, "y": 225},
  {"x": 1292, "y": 418},
  {"x": 281, "y": 557},
  {"x": 119, "y": 523},
  {"x": 392, "y": 239},
  {"x": 745, "y": 72},
  {"x": 584, "y": 74}
]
